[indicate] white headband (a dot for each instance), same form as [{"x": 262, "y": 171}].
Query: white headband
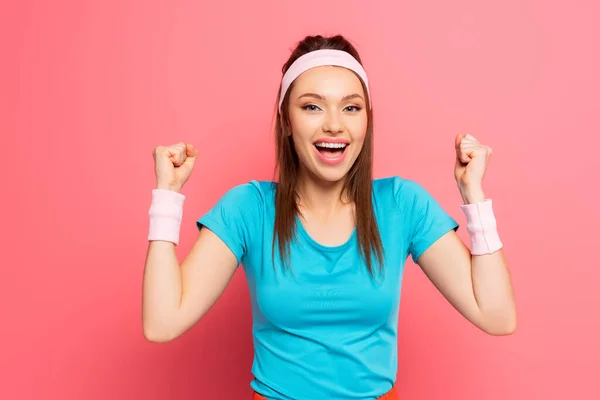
[{"x": 319, "y": 58}]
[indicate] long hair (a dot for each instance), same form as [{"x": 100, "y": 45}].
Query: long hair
[{"x": 359, "y": 184}]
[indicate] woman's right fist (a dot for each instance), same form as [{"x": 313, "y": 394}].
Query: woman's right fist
[{"x": 173, "y": 165}]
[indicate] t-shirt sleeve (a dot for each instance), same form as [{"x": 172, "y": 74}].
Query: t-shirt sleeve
[
  {"x": 426, "y": 220},
  {"x": 234, "y": 218}
]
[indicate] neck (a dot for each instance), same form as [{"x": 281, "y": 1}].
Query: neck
[{"x": 321, "y": 197}]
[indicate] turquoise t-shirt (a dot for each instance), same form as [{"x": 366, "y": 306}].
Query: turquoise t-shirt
[{"x": 326, "y": 329}]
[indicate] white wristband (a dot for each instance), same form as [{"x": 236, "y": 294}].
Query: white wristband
[
  {"x": 166, "y": 213},
  {"x": 481, "y": 225}
]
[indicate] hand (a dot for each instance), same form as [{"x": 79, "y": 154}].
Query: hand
[
  {"x": 173, "y": 165},
  {"x": 471, "y": 162}
]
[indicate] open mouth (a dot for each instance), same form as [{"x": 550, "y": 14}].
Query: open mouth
[{"x": 331, "y": 150}]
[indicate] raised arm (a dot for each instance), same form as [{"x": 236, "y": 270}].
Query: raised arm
[
  {"x": 475, "y": 281},
  {"x": 177, "y": 296}
]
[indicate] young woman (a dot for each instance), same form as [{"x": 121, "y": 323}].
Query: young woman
[{"x": 324, "y": 247}]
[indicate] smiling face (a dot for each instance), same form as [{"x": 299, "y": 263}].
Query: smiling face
[{"x": 328, "y": 119}]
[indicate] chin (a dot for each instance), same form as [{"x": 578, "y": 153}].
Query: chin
[
  {"x": 332, "y": 176},
  {"x": 330, "y": 173}
]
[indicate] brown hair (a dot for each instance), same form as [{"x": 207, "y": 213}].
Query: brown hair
[{"x": 358, "y": 185}]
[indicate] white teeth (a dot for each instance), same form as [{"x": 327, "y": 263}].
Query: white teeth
[{"x": 331, "y": 145}]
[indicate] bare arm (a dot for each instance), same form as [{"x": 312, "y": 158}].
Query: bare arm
[
  {"x": 479, "y": 287},
  {"x": 176, "y": 297}
]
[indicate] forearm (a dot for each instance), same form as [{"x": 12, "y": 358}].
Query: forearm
[
  {"x": 161, "y": 290},
  {"x": 493, "y": 291},
  {"x": 492, "y": 284}
]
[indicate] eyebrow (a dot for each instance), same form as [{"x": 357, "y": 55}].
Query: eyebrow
[{"x": 318, "y": 96}]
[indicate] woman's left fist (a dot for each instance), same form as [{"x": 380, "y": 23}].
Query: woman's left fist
[{"x": 471, "y": 161}]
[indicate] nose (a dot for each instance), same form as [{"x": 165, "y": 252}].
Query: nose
[{"x": 333, "y": 122}]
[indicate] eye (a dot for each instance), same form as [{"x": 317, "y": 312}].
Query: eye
[
  {"x": 310, "y": 107},
  {"x": 353, "y": 108}
]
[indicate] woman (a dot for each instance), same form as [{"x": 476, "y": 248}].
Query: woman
[{"x": 324, "y": 247}]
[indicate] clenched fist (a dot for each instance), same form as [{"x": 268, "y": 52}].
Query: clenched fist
[{"x": 173, "y": 165}]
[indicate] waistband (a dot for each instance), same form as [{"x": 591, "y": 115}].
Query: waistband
[{"x": 391, "y": 395}]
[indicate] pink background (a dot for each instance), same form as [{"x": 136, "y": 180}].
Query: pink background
[{"x": 88, "y": 89}]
